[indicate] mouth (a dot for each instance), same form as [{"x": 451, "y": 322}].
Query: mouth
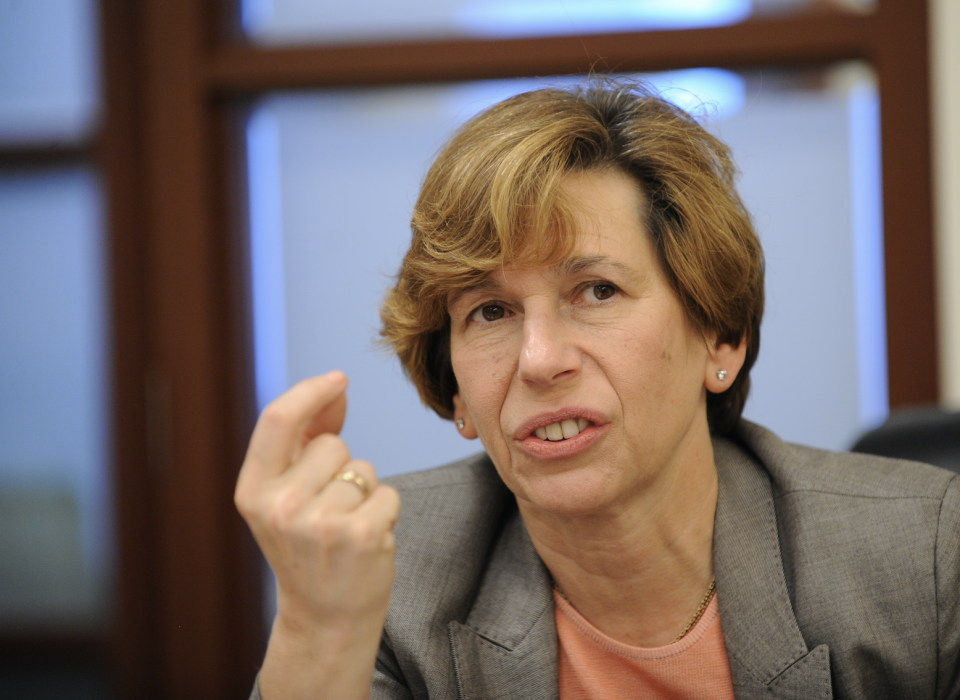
[
  {"x": 559, "y": 426},
  {"x": 561, "y": 434},
  {"x": 562, "y": 430}
]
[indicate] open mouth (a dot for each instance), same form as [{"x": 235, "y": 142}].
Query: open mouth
[{"x": 562, "y": 430}]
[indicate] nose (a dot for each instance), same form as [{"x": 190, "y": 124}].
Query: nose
[{"x": 547, "y": 356}]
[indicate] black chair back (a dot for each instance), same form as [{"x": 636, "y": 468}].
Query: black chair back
[{"x": 929, "y": 435}]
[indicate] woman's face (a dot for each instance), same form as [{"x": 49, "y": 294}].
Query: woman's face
[{"x": 584, "y": 380}]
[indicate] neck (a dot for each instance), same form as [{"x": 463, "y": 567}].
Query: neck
[{"x": 637, "y": 571}]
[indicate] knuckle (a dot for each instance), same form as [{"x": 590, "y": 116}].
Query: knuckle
[
  {"x": 389, "y": 543},
  {"x": 277, "y": 522},
  {"x": 276, "y": 416},
  {"x": 247, "y": 501},
  {"x": 240, "y": 494},
  {"x": 391, "y": 500},
  {"x": 324, "y": 528},
  {"x": 363, "y": 533},
  {"x": 392, "y": 496},
  {"x": 333, "y": 445},
  {"x": 242, "y": 503},
  {"x": 287, "y": 504}
]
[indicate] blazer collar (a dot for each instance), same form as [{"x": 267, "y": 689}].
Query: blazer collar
[
  {"x": 507, "y": 646},
  {"x": 767, "y": 653}
]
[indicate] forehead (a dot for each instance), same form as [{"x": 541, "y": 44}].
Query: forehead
[
  {"x": 604, "y": 230},
  {"x": 606, "y": 214},
  {"x": 604, "y": 194},
  {"x": 609, "y": 243}
]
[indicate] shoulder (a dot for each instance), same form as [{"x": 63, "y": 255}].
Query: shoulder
[
  {"x": 474, "y": 473},
  {"x": 795, "y": 469},
  {"x": 870, "y": 550},
  {"x": 449, "y": 507}
]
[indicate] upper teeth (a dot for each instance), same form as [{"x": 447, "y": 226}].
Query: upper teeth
[{"x": 563, "y": 430}]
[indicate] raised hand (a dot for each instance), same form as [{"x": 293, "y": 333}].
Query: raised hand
[{"x": 328, "y": 539}]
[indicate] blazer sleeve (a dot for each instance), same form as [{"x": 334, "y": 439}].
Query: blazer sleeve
[
  {"x": 948, "y": 592},
  {"x": 388, "y": 681}
]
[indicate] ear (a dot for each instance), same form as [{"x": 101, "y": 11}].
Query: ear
[
  {"x": 461, "y": 412},
  {"x": 724, "y": 358}
]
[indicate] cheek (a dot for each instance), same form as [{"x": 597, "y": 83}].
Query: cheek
[
  {"x": 483, "y": 376},
  {"x": 655, "y": 371}
]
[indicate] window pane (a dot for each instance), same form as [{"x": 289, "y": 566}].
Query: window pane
[
  {"x": 49, "y": 81},
  {"x": 809, "y": 149},
  {"x": 333, "y": 177},
  {"x": 55, "y": 527},
  {"x": 310, "y": 21}
]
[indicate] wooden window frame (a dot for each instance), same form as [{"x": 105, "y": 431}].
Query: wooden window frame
[{"x": 190, "y": 615}]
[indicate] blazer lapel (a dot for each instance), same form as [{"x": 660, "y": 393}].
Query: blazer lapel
[
  {"x": 507, "y": 646},
  {"x": 768, "y": 656}
]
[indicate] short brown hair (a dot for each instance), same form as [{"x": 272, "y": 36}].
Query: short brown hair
[{"x": 493, "y": 196}]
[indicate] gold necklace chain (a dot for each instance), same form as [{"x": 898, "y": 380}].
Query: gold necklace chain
[
  {"x": 700, "y": 611},
  {"x": 696, "y": 617}
]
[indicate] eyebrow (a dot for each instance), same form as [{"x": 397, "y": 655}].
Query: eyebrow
[
  {"x": 573, "y": 265},
  {"x": 483, "y": 285},
  {"x": 580, "y": 263}
]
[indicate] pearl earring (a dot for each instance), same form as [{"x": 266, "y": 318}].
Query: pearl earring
[{"x": 461, "y": 424}]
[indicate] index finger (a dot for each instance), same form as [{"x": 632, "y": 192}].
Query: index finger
[{"x": 283, "y": 427}]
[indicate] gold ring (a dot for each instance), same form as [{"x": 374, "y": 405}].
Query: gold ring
[{"x": 355, "y": 479}]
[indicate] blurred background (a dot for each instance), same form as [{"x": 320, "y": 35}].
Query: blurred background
[{"x": 202, "y": 202}]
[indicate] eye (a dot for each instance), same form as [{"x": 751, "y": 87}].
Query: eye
[
  {"x": 602, "y": 291},
  {"x": 489, "y": 313}
]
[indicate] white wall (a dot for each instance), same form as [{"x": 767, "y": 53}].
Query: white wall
[{"x": 945, "y": 55}]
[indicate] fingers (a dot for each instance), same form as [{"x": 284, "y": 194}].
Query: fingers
[
  {"x": 313, "y": 406},
  {"x": 319, "y": 462},
  {"x": 366, "y": 529},
  {"x": 382, "y": 509},
  {"x": 344, "y": 495},
  {"x": 330, "y": 541},
  {"x": 316, "y": 473}
]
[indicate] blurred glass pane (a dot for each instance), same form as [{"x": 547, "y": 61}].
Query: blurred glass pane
[
  {"x": 333, "y": 178},
  {"x": 56, "y": 538},
  {"x": 313, "y": 21},
  {"x": 49, "y": 72},
  {"x": 808, "y": 145}
]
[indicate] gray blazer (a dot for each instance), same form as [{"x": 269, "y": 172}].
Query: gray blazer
[{"x": 837, "y": 577}]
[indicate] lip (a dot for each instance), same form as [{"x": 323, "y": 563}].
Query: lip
[
  {"x": 544, "y": 449},
  {"x": 527, "y": 428}
]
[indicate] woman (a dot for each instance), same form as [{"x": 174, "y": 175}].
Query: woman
[{"x": 583, "y": 293}]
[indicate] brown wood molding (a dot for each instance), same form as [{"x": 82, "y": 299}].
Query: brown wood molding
[
  {"x": 901, "y": 59},
  {"x": 187, "y": 336},
  {"x": 135, "y": 645},
  {"x": 189, "y": 618},
  {"x": 817, "y": 38}
]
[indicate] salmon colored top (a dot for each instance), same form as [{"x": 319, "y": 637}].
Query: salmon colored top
[{"x": 595, "y": 667}]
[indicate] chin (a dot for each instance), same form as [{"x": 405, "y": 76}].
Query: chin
[{"x": 572, "y": 493}]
